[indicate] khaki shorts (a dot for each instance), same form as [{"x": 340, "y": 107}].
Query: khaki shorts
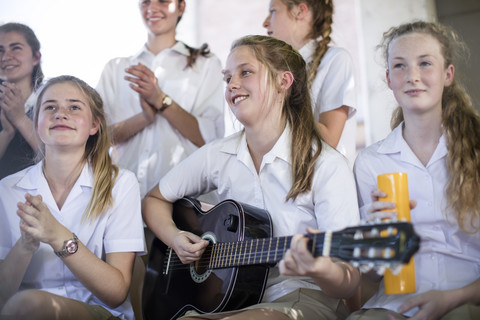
[
  {"x": 98, "y": 312},
  {"x": 464, "y": 312},
  {"x": 300, "y": 304}
]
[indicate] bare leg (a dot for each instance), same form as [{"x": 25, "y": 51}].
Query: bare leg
[{"x": 37, "y": 304}]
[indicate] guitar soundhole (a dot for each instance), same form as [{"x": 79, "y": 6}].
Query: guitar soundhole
[{"x": 199, "y": 270}]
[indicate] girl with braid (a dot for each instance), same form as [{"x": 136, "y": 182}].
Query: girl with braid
[
  {"x": 306, "y": 186},
  {"x": 307, "y": 26},
  {"x": 436, "y": 141}
]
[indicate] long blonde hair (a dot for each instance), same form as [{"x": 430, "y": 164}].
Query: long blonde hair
[
  {"x": 96, "y": 149},
  {"x": 460, "y": 121},
  {"x": 322, "y": 14},
  {"x": 306, "y": 145}
]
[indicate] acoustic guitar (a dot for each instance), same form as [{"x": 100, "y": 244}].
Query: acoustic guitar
[{"x": 232, "y": 272}]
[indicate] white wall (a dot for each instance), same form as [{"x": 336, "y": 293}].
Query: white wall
[{"x": 79, "y": 37}]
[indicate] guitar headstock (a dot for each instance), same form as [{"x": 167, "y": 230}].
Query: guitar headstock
[{"x": 379, "y": 245}]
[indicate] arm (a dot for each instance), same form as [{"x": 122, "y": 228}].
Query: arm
[
  {"x": 337, "y": 278},
  {"x": 122, "y": 131},
  {"x": 331, "y": 125},
  {"x": 157, "y": 214},
  {"x": 12, "y": 105},
  {"x": 144, "y": 81},
  {"x": 7, "y": 133},
  {"x": 109, "y": 281},
  {"x": 13, "y": 268}
]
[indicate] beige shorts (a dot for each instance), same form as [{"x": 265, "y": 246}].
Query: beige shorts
[
  {"x": 98, "y": 312},
  {"x": 464, "y": 312},
  {"x": 299, "y": 304}
]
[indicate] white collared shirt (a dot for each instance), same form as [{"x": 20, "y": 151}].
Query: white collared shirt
[
  {"x": 158, "y": 147},
  {"x": 227, "y": 167},
  {"x": 119, "y": 229},
  {"x": 333, "y": 87},
  {"x": 448, "y": 257}
]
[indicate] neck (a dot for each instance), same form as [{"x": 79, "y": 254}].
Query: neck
[
  {"x": 422, "y": 134},
  {"x": 25, "y": 86},
  {"x": 261, "y": 140},
  {"x": 61, "y": 172},
  {"x": 158, "y": 43}
]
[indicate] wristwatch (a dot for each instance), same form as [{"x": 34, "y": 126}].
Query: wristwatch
[
  {"x": 166, "y": 102},
  {"x": 70, "y": 246}
]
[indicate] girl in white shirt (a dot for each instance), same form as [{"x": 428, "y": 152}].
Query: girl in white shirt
[
  {"x": 436, "y": 141},
  {"x": 68, "y": 251},
  {"x": 307, "y": 25},
  {"x": 164, "y": 102},
  {"x": 278, "y": 163}
]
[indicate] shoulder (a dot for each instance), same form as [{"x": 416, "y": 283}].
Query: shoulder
[
  {"x": 126, "y": 180},
  {"x": 337, "y": 56}
]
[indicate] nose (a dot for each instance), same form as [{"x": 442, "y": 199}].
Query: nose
[
  {"x": 266, "y": 22},
  {"x": 152, "y": 7},
  {"x": 413, "y": 74},
  {"x": 61, "y": 113},
  {"x": 234, "y": 83}
]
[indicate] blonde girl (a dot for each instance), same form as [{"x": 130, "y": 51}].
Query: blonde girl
[{"x": 77, "y": 224}]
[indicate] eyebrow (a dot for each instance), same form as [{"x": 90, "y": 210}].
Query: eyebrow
[
  {"x": 224, "y": 71},
  {"x": 69, "y": 100}
]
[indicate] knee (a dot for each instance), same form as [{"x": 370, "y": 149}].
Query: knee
[{"x": 25, "y": 303}]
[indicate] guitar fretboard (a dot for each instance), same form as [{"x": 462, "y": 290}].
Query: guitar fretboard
[{"x": 257, "y": 251}]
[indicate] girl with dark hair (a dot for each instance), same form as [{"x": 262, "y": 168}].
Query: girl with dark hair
[
  {"x": 20, "y": 74},
  {"x": 278, "y": 162}
]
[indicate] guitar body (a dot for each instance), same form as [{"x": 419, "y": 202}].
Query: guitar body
[{"x": 169, "y": 292}]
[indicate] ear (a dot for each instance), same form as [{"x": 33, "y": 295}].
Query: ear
[
  {"x": 36, "y": 58},
  {"x": 302, "y": 11},
  {"x": 181, "y": 7},
  {"x": 449, "y": 75},
  {"x": 286, "y": 80},
  {"x": 387, "y": 76},
  {"x": 95, "y": 127}
]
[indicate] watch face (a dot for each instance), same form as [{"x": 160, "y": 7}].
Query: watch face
[
  {"x": 167, "y": 101},
  {"x": 71, "y": 246}
]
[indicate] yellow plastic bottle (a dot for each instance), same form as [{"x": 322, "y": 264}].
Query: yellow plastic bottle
[{"x": 395, "y": 185}]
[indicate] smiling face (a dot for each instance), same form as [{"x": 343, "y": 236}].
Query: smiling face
[
  {"x": 16, "y": 57},
  {"x": 417, "y": 73},
  {"x": 65, "y": 118},
  {"x": 247, "y": 83},
  {"x": 161, "y": 16}
]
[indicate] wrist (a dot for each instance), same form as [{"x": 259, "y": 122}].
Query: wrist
[{"x": 165, "y": 103}]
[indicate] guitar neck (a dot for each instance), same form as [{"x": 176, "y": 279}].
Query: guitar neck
[{"x": 259, "y": 251}]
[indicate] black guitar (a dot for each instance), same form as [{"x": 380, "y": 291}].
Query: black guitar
[{"x": 232, "y": 272}]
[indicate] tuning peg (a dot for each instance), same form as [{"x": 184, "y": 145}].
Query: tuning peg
[
  {"x": 367, "y": 267},
  {"x": 374, "y": 232},
  {"x": 355, "y": 264},
  {"x": 363, "y": 222},
  {"x": 396, "y": 269},
  {"x": 387, "y": 253},
  {"x": 381, "y": 270},
  {"x": 371, "y": 253},
  {"x": 357, "y": 252},
  {"x": 358, "y": 235}
]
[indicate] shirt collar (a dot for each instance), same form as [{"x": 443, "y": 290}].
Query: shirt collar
[
  {"x": 308, "y": 50},
  {"x": 395, "y": 143},
  {"x": 35, "y": 179},
  {"x": 239, "y": 146},
  {"x": 178, "y": 47},
  {"x": 30, "y": 103}
]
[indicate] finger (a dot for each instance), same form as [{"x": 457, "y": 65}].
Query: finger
[
  {"x": 413, "y": 204},
  {"x": 313, "y": 230},
  {"x": 35, "y": 201}
]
